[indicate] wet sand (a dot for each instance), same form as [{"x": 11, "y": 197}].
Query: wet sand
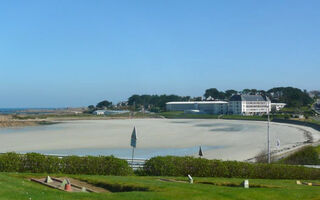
[{"x": 224, "y": 139}]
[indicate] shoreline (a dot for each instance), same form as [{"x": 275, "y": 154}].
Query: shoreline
[
  {"x": 6, "y": 121},
  {"x": 311, "y": 138},
  {"x": 24, "y": 123},
  {"x": 285, "y": 150}
]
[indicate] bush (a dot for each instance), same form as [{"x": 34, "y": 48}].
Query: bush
[
  {"x": 10, "y": 162},
  {"x": 305, "y": 156},
  {"x": 262, "y": 157},
  {"x": 38, "y": 163},
  {"x": 199, "y": 167}
]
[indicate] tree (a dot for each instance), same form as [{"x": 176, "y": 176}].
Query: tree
[
  {"x": 104, "y": 104},
  {"x": 154, "y": 102},
  {"x": 245, "y": 91},
  {"x": 91, "y": 107},
  {"x": 197, "y": 99},
  {"x": 214, "y": 93},
  {"x": 262, "y": 92},
  {"x": 250, "y": 91},
  {"x": 293, "y": 97},
  {"x": 315, "y": 94},
  {"x": 229, "y": 93}
]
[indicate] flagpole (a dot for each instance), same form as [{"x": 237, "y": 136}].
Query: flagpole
[
  {"x": 132, "y": 156},
  {"x": 268, "y": 135}
]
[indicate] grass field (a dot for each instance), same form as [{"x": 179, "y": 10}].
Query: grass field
[{"x": 17, "y": 186}]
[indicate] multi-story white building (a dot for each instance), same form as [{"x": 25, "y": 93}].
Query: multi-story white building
[
  {"x": 238, "y": 105},
  {"x": 211, "y": 107},
  {"x": 249, "y": 105}
]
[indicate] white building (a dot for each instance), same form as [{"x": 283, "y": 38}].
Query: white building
[
  {"x": 110, "y": 112},
  {"x": 249, "y": 105},
  {"x": 98, "y": 112},
  {"x": 211, "y": 107},
  {"x": 277, "y": 106}
]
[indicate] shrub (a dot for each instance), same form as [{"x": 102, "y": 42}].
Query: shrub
[
  {"x": 199, "y": 167},
  {"x": 305, "y": 156},
  {"x": 10, "y": 162},
  {"x": 262, "y": 157},
  {"x": 38, "y": 163}
]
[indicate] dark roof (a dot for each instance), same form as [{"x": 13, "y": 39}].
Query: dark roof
[
  {"x": 235, "y": 97},
  {"x": 248, "y": 98}
]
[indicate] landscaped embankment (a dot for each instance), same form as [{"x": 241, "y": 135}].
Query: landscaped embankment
[
  {"x": 199, "y": 167},
  {"x": 38, "y": 163},
  {"x": 157, "y": 166}
]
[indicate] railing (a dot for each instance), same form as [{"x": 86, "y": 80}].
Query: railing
[
  {"x": 312, "y": 166},
  {"x": 136, "y": 163}
]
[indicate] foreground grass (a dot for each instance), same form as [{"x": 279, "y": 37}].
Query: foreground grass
[{"x": 18, "y": 186}]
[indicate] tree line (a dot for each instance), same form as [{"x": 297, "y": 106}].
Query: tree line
[{"x": 293, "y": 97}]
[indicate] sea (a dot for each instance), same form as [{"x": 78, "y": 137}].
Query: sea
[{"x": 6, "y": 111}]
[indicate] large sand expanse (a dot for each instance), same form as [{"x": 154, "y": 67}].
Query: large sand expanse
[{"x": 221, "y": 139}]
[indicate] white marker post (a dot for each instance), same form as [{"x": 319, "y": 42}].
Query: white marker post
[
  {"x": 133, "y": 142},
  {"x": 190, "y": 179}
]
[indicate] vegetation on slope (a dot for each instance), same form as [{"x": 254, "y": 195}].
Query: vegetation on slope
[
  {"x": 19, "y": 187},
  {"x": 38, "y": 163},
  {"x": 182, "y": 166},
  {"x": 306, "y": 156}
]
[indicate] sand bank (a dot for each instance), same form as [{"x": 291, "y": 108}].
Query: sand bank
[{"x": 225, "y": 139}]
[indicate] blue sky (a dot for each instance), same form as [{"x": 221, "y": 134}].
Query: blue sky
[{"x": 76, "y": 53}]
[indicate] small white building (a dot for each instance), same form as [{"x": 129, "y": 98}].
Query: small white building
[
  {"x": 110, "y": 112},
  {"x": 210, "y": 107},
  {"x": 277, "y": 106},
  {"x": 249, "y": 105},
  {"x": 98, "y": 112}
]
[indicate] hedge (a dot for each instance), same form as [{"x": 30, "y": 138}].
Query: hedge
[
  {"x": 200, "y": 167},
  {"x": 38, "y": 163},
  {"x": 305, "y": 156}
]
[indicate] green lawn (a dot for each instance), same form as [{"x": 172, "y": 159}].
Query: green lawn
[{"x": 17, "y": 186}]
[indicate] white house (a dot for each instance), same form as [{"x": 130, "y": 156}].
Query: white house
[
  {"x": 98, "y": 112},
  {"x": 110, "y": 112},
  {"x": 277, "y": 106},
  {"x": 249, "y": 105}
]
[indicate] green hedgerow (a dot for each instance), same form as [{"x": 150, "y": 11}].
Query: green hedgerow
[
  {"x": 200, "y": 167},
  {"x": 38, "y": 163}
]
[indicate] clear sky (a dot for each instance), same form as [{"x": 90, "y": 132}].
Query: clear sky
[{"x": 75, "y": 53}]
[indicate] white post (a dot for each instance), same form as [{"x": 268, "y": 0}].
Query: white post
[{"x": 190, "y": 179}]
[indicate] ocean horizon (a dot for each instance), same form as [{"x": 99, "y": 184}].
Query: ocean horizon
[{"x": 22, "y": 110}]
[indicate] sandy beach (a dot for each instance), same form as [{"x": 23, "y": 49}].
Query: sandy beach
[{"x": 222, "y": 139}]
